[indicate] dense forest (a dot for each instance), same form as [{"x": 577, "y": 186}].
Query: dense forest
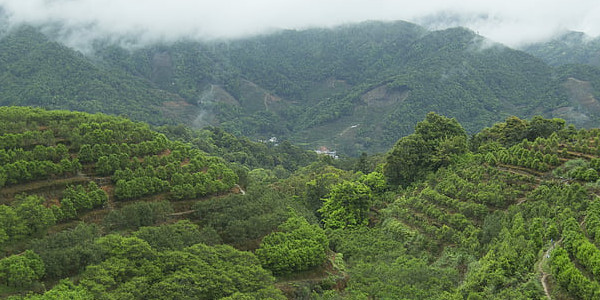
[
  {"x": 100, "y": 207},
  {"x": 354, "y": 88},
  {"x": 569, "y": 48}
]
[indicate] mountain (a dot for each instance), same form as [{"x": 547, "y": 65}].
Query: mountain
[
  {"x": 36, "y": 71},
  {"x": 569, "y": 48},
  {"x": 352, "y": 88},
  {"x": 576, "y": 58}
]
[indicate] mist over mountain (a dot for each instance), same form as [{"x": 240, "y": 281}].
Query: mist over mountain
[
  {"x": 353, "y": 88},
  {"x": 142, "y": 22},
  {"x": 569, "y": 48},
  {"x": 458, "y": 152}
]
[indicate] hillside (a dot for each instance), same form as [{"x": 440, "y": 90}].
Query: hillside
[
  {"x": 36, "y": 71},
  {"x": 352, "y": 88},
  {"x": 77, "y": 192},
  {"x": 568, "y": 48},
  {"x": 99, "y": 207}
]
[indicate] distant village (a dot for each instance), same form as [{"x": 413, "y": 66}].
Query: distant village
[
  {"x": 325, "y": 151},
  {"x": 273, "y": 140},
  {"x": 322, "y": 150}
]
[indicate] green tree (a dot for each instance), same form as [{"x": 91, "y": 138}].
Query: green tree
[
  {"x": 21, "y": 270},
  {"x": 433, "y": 144},
  {"x": 34, "y": 213},
  {"x": 65, "y": 289},
  {"x": 68, "y": 252},
  {"x": 436, "y": 127},
  {"x": 409, "y": 160},
  {"x": 296, "y": 246},
  {"x": 13, "y": 226},
  {"x": 347, "y": 205},
  {"x": 171, "y": 237}
]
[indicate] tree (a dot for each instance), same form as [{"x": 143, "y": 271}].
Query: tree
[
  {"x": 171, "y": 237},
  {"x": 138, "y": 214},
  {"x": 34, "y": 213},
  {"x": 86, "y": 154},
  {"x": 347, "y": 205},
  {"x": 375, "y": 181},
  {"x": 13, "y": 226},
  {"x": 540, "y": 127},
  {"x": 296, "y": 246},
  {"x": 21, "y": 270},
  {"x": 435, "y": 141},
  {"x": 408, "y": 160},
  {"x": 65, "y": 289},
  {"x": 363, "y": 164},
  {"x": 68, "y": 252},
  {"x": 436, "y": 127},
  {"x": 133, "y": 270}
]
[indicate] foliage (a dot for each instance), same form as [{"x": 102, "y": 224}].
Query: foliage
[
  {"x": 435, "y": 141},
  {"x": 304, "y": 86},
  {"x": 68, "y": 80},
  {"x": 196, "y": 272},
  {"x": 347, "y": 205},
  {"x": 244, "y": 219},
  {"x": 68, "y": 252},
  {"x": 571, "y": 278},
  {"x": 77, "y": 199},
  {"x": 173, "y": 237},
  {"x": 21, "y": 270},
  {"x": 65, "y": 289},
  {"x": 513, "y": 130},
  {"x": 477, "y": 221},
  {"x": 138, "y": 214},
  {"x": 295, "y": 246}
]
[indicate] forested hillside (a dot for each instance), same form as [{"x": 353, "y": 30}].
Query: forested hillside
[
  {"x": 36, "y": 71},
  {"x": 100, "y": 207},
  {"x": 78, "y": 192},
  {"x": 352, "y": 88},
  {"x": 569, "y": 48}
]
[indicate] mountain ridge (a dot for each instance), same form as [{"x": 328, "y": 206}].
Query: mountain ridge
[{"x": 308, "y": 86}]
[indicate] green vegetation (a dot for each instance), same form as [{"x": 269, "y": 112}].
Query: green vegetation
[
  {"x": 435, "y": 141},
  {"x": 569, "y": 48},
  {"x": 39, "y": 72},
  {"x": 99, "y": 225},
  {"x": 295, "y": 246},
  {"x": 355, "y": 88},
  {"x": 511, "y": 212}
]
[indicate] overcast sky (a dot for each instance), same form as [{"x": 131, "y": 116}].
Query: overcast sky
[{"x": 512, "y": 22}]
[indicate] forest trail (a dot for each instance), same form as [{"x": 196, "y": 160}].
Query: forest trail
[
  {"x": 8, "y": 193},
  {"x": 540, "y": 269},
  {"x": 521, "y": 171}
]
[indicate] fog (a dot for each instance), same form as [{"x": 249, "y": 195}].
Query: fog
[{"x": 138, "y": 22}]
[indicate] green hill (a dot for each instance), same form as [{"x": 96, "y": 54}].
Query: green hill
[
  {"x": 100, "y": 207},
  {"x": 74, "y": 187},
  {"x": 569, "y": 48},
  {"x": 352, "y": 88},
  {"x": 36, "y": 71}
]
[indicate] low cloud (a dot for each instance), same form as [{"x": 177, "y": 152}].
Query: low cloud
[{"x": 138, "y": 22}]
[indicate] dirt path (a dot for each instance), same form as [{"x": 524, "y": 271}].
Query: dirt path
[
  {"x": 7, "y": 194},
  {"x": 521, "y": 171},
  {"x": 540, "y": 269}
]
